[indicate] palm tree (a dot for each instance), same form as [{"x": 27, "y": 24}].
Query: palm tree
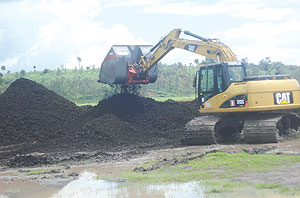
[
  {"x": 23, "y": 72},
  {"x": 79, "y": 61},
  {"x": 3, "y": 68}
]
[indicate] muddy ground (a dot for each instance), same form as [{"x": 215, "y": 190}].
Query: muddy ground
[{"x": 50, "y": 178}]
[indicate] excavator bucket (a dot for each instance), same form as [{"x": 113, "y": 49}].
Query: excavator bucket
[{"x": 118, "y": 66}]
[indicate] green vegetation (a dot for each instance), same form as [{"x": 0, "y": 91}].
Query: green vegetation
[
  {"x": 77, "y": 85},
  {"x": 217, "y": 170},
  {"x": 176, "y": 98},
  {"x": 88, "y": 102},
  {"x": 268, "y": 186},
  {"x": 174, "y": 81},
  {"x": 240, "y": 162},
  {"x": 221, "y": 187},
  {"x": 218, "y": 165},
  {"x": 37, "y": 172},
  {"x": 81, "y": 86},
  {"x": 223, "y": 184}
]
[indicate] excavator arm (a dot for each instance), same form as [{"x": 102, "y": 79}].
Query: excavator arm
[
  {"x": 211, "y": 48},
  {"x": 137, "y": 64}
]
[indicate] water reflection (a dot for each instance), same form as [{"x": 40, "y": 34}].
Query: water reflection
[{"x": 87, "y": 186}]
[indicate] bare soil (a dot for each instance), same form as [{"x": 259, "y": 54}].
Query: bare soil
[{"x": 118, "y": 162}]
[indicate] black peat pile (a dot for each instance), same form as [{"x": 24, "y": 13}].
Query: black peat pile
[
  {"x": 33, "y": 116},
  {"x": 110, "y": 133},
  {"x": 146, "y": 112},
  {"x": 130, "y": 121},
  {"x": 35, "y": 119}
]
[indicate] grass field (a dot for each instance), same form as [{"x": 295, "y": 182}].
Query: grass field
[
  {"x": 176, "y": 98},
  {"x": 217, "y": 171},
  {"x": 214, "y": 165},
  {"x": 159, "y": 99}
]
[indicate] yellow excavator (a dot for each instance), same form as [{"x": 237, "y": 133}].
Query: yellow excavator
[{"x": 235, "y": 107}]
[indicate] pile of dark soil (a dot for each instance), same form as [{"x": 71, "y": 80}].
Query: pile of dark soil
[
  {"x": 108, "y": 132},
  {"x": 35, "y": 119},
  {"x": 127, "y": 121},
  {"x": 32, "y": 116},
  {"x": 146, "y": 112}
]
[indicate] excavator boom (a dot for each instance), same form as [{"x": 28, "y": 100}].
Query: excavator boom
[{"x": 211, "y": 48}]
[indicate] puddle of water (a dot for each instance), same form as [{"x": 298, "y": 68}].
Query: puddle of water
[
  {"x": 88, "y": 186},
  {"x": 26, "y": 189}
]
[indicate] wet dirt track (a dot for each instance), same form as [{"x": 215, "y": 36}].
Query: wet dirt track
[{"x": 17, "y": 181}]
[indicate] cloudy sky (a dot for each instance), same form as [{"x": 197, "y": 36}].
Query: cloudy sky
[{"x": 49, "y": 33}]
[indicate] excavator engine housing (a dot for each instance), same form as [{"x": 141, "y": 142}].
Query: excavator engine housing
[{"x": 119, "y": 64}]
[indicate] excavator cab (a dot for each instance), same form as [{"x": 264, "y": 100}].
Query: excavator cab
[
  {"x": 214, "y": 79},
  {"x": 225, "y": 88}
]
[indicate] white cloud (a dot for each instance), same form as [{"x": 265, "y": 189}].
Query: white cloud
[
  {"x": 131, "y": 3},
  {"x": 10, "y": 61},
  {"x": 180, "y": 55},
  {"x": 72, "y": 11},
  {"x": 271, "y": 28},
  {"x": 1, "y": 35},
  {"x": 256, "y": 41},
  {"x": 49, "y": 33},
  {"x": 250, "y": 9},
  {"x": 70, "y": 32},
  {"x": 93, "y": 49}
]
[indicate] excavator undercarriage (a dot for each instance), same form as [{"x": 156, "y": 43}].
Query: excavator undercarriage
[{"x": 262, "y": 127}]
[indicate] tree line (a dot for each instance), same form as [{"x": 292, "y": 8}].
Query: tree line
[{"x": 80, "y": 85}]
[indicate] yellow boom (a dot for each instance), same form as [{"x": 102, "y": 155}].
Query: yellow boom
[{"x": 211, "y": 48}]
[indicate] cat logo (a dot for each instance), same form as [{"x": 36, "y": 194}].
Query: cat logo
[
  {"x": 283, "y": 98},
  {"x": 191, "y": 47}
]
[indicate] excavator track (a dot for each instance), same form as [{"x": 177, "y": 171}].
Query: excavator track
[
  {"x": 200, "y": 131},
  {"x": 252, "y": 128},
  {"x": 269, "y": 128},
  {"x": 261, "y": 129}
]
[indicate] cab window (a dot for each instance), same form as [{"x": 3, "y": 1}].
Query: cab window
[
  {"x": 207, "y": 80},
  {"x": 220, "y": 80},
  {"x": 236, "y": 73},
  {"x": 210, "y": 83},
  {"x": 206, "y": 84}
]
